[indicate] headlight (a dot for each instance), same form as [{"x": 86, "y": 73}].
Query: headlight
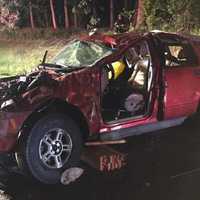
[{"x": 7, "y": 105}]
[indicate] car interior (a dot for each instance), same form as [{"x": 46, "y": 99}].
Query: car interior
[
  {"x": 179, "y": 53},
  {"x": 126, "y": 84}
]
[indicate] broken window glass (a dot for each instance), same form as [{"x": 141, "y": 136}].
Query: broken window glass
[{"x": 81, "y": 53}]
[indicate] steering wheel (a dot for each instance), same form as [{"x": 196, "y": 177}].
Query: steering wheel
[{"x": 109, "y": 68}]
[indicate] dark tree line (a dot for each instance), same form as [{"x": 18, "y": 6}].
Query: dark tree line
[
  {"x": 170, "y": 15},
  {"x": 66, "y": 13}
]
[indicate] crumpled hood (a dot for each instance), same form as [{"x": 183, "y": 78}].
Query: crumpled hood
[{"x": 17, "y": 89}]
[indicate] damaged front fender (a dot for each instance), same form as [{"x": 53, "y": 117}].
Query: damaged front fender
[
  {"x": 24, "y": 97},
  {"x": 19, "y": 99},
  {"x": 10, "y": 124}
]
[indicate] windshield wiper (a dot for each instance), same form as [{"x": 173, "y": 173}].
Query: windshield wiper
[
  {"x": 50, "y": 65},
  {"x": 45, "y": 57}
]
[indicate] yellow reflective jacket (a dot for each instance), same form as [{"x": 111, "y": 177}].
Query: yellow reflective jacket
[{"x": 118, "y": 68}]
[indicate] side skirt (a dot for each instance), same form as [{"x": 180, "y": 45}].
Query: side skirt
[{"x": 139, "y": 130}]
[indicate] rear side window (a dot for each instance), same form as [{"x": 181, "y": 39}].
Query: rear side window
[{"x": 179, "y": 54}]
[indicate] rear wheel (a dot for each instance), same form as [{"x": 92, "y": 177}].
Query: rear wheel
[{"x": 53, "y": 145}]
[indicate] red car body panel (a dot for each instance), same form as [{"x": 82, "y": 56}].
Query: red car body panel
[
  {"x": 182, "y": 92},
  {"x": 10, "y": 124},
  {"x": 82, "y": 89}
]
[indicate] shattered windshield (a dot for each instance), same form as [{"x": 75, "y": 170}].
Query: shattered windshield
[{"x": 81, "y": 53}]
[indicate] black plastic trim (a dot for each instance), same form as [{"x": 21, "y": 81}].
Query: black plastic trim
[{"x": 139, "y": 130}]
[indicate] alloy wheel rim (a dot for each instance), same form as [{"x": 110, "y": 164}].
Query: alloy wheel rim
[{"x": 55, "y": 148}]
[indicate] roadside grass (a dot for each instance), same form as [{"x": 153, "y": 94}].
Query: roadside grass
[{"x": 19, "y": 57}]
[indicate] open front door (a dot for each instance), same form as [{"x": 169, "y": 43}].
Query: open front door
[{"x": 126, "y": 85}]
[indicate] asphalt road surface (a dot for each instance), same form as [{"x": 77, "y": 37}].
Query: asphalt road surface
[{"x": 161, "y": 166}]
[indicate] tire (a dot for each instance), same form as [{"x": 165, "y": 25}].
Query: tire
[{"x": 44, "y": 154}]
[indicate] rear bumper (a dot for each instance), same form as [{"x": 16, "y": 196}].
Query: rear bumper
[{"x": 10, "y": 124}]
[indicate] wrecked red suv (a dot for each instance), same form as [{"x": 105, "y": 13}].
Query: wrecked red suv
[{"x": 98, "y": 89}]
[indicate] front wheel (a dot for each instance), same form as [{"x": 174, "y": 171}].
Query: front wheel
[{"x": 52, "y": 145}]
